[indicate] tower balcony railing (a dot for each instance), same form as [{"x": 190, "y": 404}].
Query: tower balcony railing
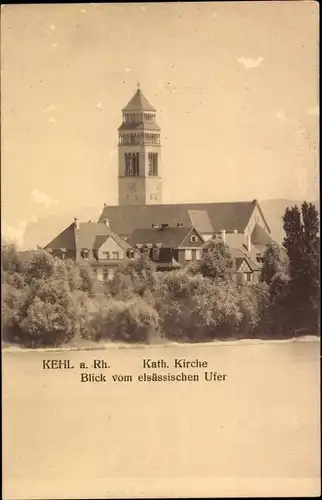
[{"x": 139, "y": 139}]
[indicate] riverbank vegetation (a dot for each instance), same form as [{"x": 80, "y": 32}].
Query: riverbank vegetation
[{"x": 49, "y": 302}]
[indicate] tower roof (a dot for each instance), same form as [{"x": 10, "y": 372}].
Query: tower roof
[{"x": 139, "y": 103}]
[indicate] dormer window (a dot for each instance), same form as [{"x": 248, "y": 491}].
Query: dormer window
[
  {"x": 106, "y": 255},
  {"x": 130, "y": 254},
  {"x": 193, "y": 238},
  {"x": 85, "y": 253}
]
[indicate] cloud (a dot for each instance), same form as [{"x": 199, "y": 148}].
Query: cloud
[
  {"x": 280, "y": 115},
  {"x": 52, "y": 119},
  {"x": 83, "y": 11},
  {"x": 14, "y": 233},
  {"x": 42, "y": 198},
  {"x": 143, "y": 8},
  {"x": 99, "y": 105},
  {"x": 52, "y": 107},
  {"x": 249, "y": 63},
  {"x": 52, "y": 27},
  {"x": 54, "y": 45},
  {"x": 127, "y": 70},
  {"x": 313, "y": 111},
  {"x": 113, "y": 152}
]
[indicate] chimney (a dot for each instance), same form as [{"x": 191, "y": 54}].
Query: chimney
[
  {"x": 105, "y": 205},
  {"x": 235, "y": 231},
  {"x": 249, "y": 243},
  {"x": 107, "y": 222},
  {"x": 89, "y": 221},
  {"x": 223, "y": 235},
  {"x": 76, "y": 223}
]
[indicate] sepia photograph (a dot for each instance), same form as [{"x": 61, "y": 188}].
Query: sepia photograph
[{"x": 160, "y": 250}]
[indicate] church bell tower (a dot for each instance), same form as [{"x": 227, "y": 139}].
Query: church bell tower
[{"x": 139, "y": 154}]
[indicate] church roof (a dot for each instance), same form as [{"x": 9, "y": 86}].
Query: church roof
[
  {"x": 260, "y": 237},
  {"x": 139, "y": 103},
  {"x": 228, "y": 216}
]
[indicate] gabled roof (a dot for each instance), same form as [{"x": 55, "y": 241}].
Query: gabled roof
[
  {"x": 88, "y": 235},
  {"x": 200, "y": 219},
  {"x": 65, "y": 239},
  {"x": 139, "y": 103},
  {"x": 239, "y": 255},
  {"x": 169, "y": 237},
  {"x": 228, "y": 216},
  {"x": 260, "y": 237}
]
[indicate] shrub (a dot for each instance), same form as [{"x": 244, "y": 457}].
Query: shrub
[{"x": 130, "y": 321}]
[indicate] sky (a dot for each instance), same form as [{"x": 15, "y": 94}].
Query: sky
[{"x": 235, "y": 85}]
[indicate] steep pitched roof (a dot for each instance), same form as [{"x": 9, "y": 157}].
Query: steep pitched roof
[
  {"x": 229, "y": 216},
  {"x": 88, "y": 235},
  {"x": 260, "y": 237},
  {"x": 170, "y": 237},
  {"x": 65, "y": 239},
  {"x": 239, "y": 255},
  {"x": 138, "y": 103},
  {"x": 88, "y": 231},
  {"x": 200, "y": 219}
]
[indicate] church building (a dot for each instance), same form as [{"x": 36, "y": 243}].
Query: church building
[
  {"x": 172, "y": 235},
  {"x": 242, "y": 225}
]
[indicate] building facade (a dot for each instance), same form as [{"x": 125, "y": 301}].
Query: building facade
[
  {"x": 139, "y": 154},
  {"x": 141, "y": 223},
  {"x": 93, "y": 243}
]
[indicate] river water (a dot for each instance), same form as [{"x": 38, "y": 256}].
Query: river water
[{"x": 254, "y": 432}]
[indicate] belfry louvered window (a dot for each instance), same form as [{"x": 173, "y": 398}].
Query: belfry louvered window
[
  {"x": 132, "y": 164},
  {"x": 153, "y": 164}
]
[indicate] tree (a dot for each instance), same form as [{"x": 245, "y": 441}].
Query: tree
[
  {"x": 302, "y": 245},
  {"x": 41, "y": 265},
  {"x": 195, "y": 308},
  {"x": 134, "y": 277},
  {"x": 10, "y": 260},
  {"x": 275, "y": 260},
  {"x": 129, "y": 321},
  {"x": 216, "y": 261}
]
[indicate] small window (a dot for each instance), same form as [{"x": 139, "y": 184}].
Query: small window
[
  {"x": 131, "y": 254},
  {"x": 193, "y": 238},
  {"x": 198, "y": 254},
  {"x": 188, "y": 255},
  {"x": 110, "y": 274},
  {"x": 249, "y": 277},
  {"x": 115, "y": 255},
  {"x": 155, "y": 254},
  {"x": 99, "y": 274},
  {"x": 85, "y": 253},
  {"x": 106, "y": 255}
]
